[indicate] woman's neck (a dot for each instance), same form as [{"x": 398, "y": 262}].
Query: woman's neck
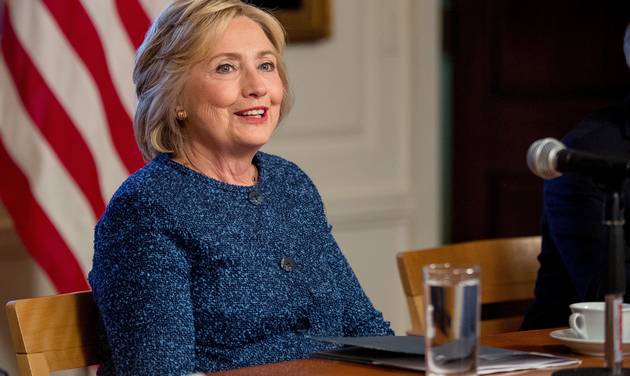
[{"x": 230, "y": 169}]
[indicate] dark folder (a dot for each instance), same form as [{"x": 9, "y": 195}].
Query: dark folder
[{"x": 408, "y": 352}]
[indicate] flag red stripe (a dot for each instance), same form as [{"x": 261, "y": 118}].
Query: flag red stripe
[
  {"x": 51, "y": 119},
  {"x": 38, "y": 234},
  {"x": 78, "y": 29},
  {"x": 134, "y": 19}
]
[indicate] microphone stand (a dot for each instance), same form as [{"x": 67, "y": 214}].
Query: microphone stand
[{"x": 615, "y": 283}]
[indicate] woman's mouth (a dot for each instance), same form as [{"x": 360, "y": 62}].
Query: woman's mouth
[
  {"x": 257, "y": 112},
  {"x": 255, "y": 115}
]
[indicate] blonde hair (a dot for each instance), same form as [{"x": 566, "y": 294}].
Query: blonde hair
[{"x": 180, "y": 37}]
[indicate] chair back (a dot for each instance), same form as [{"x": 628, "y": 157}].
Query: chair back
[
  {"x": 508, "y": 275},
  {"x": 54, "y": 333}
]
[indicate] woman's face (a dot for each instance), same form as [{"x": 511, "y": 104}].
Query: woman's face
[{"x": 233, "y": 96}]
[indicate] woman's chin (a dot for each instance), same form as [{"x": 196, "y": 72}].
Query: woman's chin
[
  {"x": 252, "y": 144},
  {"x": 255, "y": 136}
]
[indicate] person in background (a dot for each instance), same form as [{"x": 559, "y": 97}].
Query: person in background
[
  {"x": 216, "y": 255},
  {"x": 574, "y": 241}
]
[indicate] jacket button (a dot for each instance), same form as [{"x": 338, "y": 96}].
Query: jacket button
[
  {"x": 303, "y": 326},
  {"x": 255, "y": 197},
  {"x": 287, "y": 264}
]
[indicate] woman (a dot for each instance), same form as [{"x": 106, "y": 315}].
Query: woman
[{"x": 216, "y": 255}]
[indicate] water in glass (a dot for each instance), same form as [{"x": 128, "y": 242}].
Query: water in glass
[{"x": 452, "y": 313}]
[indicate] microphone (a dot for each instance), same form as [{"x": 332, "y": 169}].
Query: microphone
[{"x": 548, "y": 158}]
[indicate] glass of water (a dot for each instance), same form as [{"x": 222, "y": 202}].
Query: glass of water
[{"x": 452, "y": 313}]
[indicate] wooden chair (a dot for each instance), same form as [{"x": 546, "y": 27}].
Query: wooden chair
[
  {"x": 54, "y": 333},
  {"x": 508, "y": 275}
]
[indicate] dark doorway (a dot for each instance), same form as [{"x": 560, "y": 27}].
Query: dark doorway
[{"x": 522, "y": 70}]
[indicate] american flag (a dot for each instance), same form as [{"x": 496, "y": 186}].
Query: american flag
[{"x": 66, "y": 107}]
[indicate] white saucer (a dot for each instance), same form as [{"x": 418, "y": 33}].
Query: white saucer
[{"x": 584, "y": 346}]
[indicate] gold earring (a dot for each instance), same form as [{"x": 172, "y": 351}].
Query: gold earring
[{"x": 181, "y": 114}]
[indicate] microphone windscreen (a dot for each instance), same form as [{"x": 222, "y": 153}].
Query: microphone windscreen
[{"x": 542, "y": 157}]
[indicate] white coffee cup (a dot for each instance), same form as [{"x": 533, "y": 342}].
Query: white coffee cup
[{"x": 588, "y": 320}]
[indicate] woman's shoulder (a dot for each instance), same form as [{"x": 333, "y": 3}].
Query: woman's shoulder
[
  {"x": 272, "y": 160},
  {"x": 139, "y": 182},
  {"x": 280, "y": 168},
  {"x": 152, "y": 186},
  {"x": 285, "y": 178}
]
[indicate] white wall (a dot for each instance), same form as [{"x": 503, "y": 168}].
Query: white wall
[{"x": 365, "y": 127}]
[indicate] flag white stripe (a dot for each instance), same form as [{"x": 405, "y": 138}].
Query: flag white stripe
[
  {"x": 53, "y": 188},
  {"x": 119, "y": 52},
  {"x": 68, "y": 78},
  {"x": 153, "y": 7}
]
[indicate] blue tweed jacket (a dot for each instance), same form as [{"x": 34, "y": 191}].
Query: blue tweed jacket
[{"x": 192, "y": 274}]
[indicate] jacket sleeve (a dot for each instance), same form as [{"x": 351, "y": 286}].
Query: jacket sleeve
[
  {"x": 360, "y": 318},
  {"x": 141, "y": 284}
]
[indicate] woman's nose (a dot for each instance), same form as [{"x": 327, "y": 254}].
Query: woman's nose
[{"x": 253, "y": 84}]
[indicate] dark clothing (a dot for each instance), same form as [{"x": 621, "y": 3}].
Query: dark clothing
[{"x": 574, "y": 242}]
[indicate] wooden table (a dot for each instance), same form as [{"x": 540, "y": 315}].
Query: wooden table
[{"x": 535, "y": 340}]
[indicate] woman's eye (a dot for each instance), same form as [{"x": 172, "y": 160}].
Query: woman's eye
[
  {"x": 267, "y": 67},
  {"x": 225, "y": 68}
]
